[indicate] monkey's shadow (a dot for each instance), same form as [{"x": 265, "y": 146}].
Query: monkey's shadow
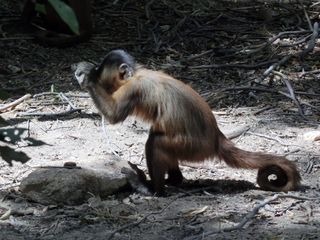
[
  {"x": 191, "y": 186},
  {"x": 212, "y": 186}
]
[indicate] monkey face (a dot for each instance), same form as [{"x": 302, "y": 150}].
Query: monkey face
[{"x": 84, "y": 71}]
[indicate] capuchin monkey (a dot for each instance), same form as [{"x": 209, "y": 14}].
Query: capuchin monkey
[{"x": 183, "y": 127}]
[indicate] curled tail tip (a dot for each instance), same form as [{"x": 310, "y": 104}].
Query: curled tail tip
[
  {"x": 279, "y": 178},
  {"x": 275, "y": 173}
]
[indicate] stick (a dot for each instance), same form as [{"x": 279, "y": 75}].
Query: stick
[
  {"x": 312, "y": 41},
  {"x": 273, "y": 39},
  {"x": 306, "y": 15},
  {"x": 48, "y": 114},
  {"x": 253, "y": 88},
  {"x": 291, "y": 92},
  {"x": 271, "y": 138},
  {"x": 273, "y": 67},
  {"x": 273, "y": 91},
  {"x": 64, "y": 97},
  {"x": 45, "y": 94},
  {"x": 15, "y": 103},
  {"x": 309, "y": 72},
  {"x": 233, "y": 65}
]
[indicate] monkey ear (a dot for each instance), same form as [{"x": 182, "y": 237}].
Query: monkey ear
[{"x": 125, "y": 70}]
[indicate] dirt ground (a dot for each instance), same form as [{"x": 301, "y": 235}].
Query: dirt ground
[{"x": 215, "y": 197}]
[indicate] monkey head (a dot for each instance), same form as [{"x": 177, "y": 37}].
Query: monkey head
[
  {"x": 82, "y": 73},
  {"x": 117, "y": 66}
]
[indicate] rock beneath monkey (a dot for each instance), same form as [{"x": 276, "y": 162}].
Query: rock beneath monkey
[{"x": 71, "y": 186}]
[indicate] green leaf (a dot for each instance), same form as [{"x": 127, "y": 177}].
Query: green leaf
[
  {"x": 40, "y": 8},
  {"x": 67, "y": 14}
]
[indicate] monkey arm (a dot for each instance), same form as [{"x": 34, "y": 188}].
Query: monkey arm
[{"x": 116, "y": 106}]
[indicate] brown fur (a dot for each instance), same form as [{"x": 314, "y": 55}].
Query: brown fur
[{"x": 183, "y": 128}]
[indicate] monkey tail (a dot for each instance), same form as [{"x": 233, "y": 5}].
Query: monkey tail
[{"x": 269, "y": 166}]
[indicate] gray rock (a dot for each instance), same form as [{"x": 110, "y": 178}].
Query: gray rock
[{"x": 56, "y": 185}]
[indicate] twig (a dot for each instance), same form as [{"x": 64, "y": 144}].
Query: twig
[
  {"x": 15, "y": 103},
  {"x": 309, "y": 72},
  {"x": 64, "y": 97},
  {"x": 293, "y": 96},
  {"x": 82, "y": 95},
  {"x": 310, "y": 166},
  {"x": 285, "y": 59},
  {"x": 199, "y": 55},
  {"x": 291, "y": 92},
  {"x": 233, "y": 65},
  {"x": 47, "y": 114},
  {"x": 148, "y": 9},
  {"x": 269, "y": 137},
  {"x": 273, "y": 67},
  {"x": 315, "y": 4},
  {"x": 253, "y": 88},
  {"x": 296, "y": 43},
  {"x": 312, "y": 41},
  {"x": 273, "y": 39},
  {"x": 258, "y": 48},
  {"x": 306, "y": 15},
  {"x": 250, "y": 215},
  {"x": 45, "y": 94},
  {"x": 266, "y": 108},
  {"x": 311, "y": 106}
]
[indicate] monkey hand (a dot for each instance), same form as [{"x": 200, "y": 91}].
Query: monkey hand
[{"x": 82, "y": 71}]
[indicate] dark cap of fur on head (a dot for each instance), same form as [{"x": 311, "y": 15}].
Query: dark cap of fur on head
[{"x": 117, "y": 57}]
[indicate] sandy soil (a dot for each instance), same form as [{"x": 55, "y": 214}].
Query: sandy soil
[
  {"x": 194, "y": 209},
  {"x": 80, "y": 137}
]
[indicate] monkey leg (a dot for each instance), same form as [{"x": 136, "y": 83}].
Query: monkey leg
[
  {"x": 160, "y": 162},
  {"x": 156, "y": 168},
  {"x": 175, "y": 176}
]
